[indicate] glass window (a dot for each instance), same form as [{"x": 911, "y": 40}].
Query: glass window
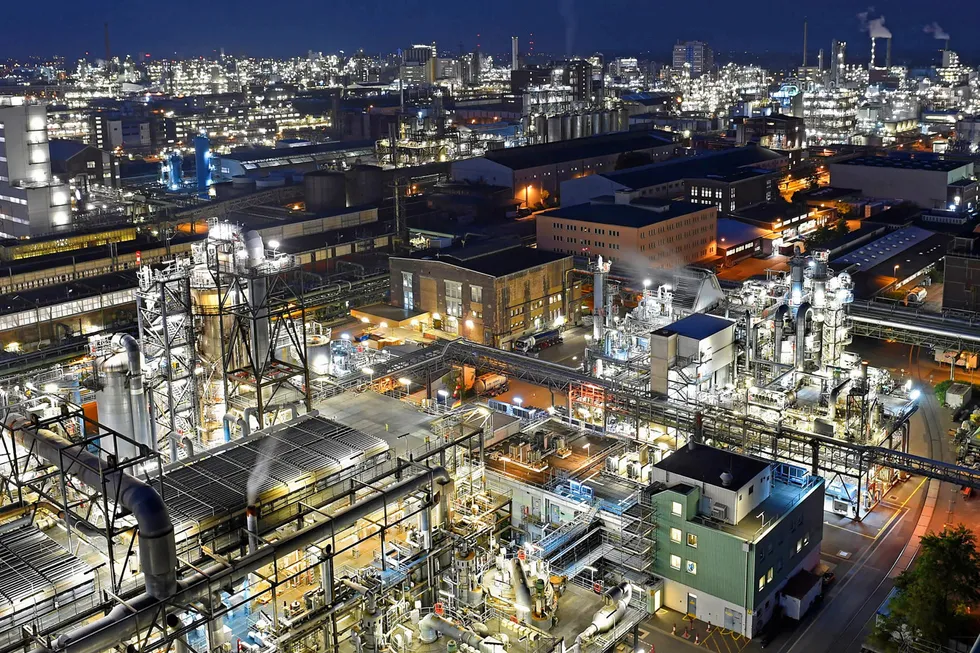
[
  {"x": 676, "y": 509},
  {"x": 762, "y": 582},
  {"x": 692, "y": 567},
  {"x": 799, "y": 545},
  {"x": 675, "y": 535},
  {"x": 769, "y": 575},
  {"x": 476, "y": 294},
  {"x": 675, "y": 562},
  {"x": 454, "y": 298},
  {"x": 692, "y": 540},
  {"x": 407, "y": 293}
]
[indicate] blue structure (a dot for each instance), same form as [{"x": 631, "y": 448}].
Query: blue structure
[
  {"x": 173, "y": 175},
  {"x": 202, "y": 159}
]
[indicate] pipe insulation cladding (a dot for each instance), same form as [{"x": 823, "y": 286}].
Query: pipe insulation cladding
[
  {"x": 157, "y": 548},
  {"x": 122, "y": 623}
]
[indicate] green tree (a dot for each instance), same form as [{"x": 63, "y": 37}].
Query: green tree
[
  {"x": 632, "y": 160},
  {"x": 934, "y": 596}
]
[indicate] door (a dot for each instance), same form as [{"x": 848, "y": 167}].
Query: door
[
  {"x": 733, "y": 620},
  {"x": 692, "y": 605}
]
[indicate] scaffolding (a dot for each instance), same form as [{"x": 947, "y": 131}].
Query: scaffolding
[{"x": 166, "y": 329}]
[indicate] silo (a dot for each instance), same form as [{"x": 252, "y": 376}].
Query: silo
[
  {"x": 365, "y": 185},
  {"x": 596, "y": 123},
  {"x": 566, "y": 127},
  {"x": 115, "y": 408},
  {"x": 554, "y": 129},
  {"x": 318, "y": 354},
  {"x": 202, "y": 160},
  {"x": 578, "y": 124},
  {"x": 540, "y": 128},
  {"x": 325, "y": 190},
  {"x": 606, "y": 119}
]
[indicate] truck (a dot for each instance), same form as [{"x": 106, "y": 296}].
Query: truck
[
  {"x": 538, "y": 341},
  {"x": 917, "y": 295},
  {"x": 963, "y": 359},
  {"x": 490, "y": 384}
]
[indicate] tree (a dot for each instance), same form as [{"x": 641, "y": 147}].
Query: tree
[
  {"x": 826, "y": 233},
  {"x": 632, "y": 160},
  {"x": 934, "y": 596}
]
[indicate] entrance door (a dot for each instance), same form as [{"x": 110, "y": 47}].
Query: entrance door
[
  {"x": 733, "y": 620},
  {"x": 692, "y": 605}
]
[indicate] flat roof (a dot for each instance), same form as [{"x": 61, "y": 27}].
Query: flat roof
[
  {"x": 733, "y": 232},
  {"x": 532, "y": 156},
  {"x": 294, "y": 154},
  {"x": 884, "y": 248},
  {"x": 935, "y": 163},
  {"x": 697, "y": 326},
  {"x": 504, "y": 262},
  {"x": 637, "y": 214},
  {"x": 720, "y": 163},
  {"x": 707, "y": 464}
]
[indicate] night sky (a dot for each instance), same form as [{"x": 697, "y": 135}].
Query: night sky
[{"x": 272, "y": 28}]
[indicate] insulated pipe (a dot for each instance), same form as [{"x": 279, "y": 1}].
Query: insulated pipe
[
  {"x": 157, "y": 549},
  {"x": 432, "y": 625},
  {"x": 801, "y": 315},
  {"x": 247, "y": 415},
  {"x": 617, "y": 601},
  {"x": 252, "y": 526},
  {"x": 188, "y": 447},
  {"x": 522, "y": 593},
  {"x": 834, "y": 394},
  {"x": 778, "y": 323},
  {"x": 137, "y": 397},
  {"x": 121, "y": 623}
]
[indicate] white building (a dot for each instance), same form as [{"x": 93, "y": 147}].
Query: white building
[{"x": 32, "y": 201}]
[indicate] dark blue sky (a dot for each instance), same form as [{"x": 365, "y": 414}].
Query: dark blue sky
[{"x": 270, "y": 27}]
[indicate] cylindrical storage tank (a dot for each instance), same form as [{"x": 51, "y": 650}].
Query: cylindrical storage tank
[
  {"x": 202, "y": 161},
  {"x": 554, "y": 129},
  {"x": 566, "y": 127},
  {"x": 241, "y": 181},
  {"x": 325, "y": 190},
  {"x": 606, "y": 122},
  {"x": 540, "y": 128},
  {"x": 365, "y": 185},
  {"x": 318, "y": 354},
  {"x": 596, "y": 123},
  {"x": 578, "y": 122},
  {"x": 270, "y": 182},
  {"x": 115, "y": 407}
]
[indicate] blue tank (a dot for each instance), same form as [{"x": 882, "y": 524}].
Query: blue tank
[
  {"x": 175, "y": 173},
  {"x": 202, "y": 158}
]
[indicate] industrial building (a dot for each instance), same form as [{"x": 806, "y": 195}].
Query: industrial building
[
  {"x": 693, "y": 57},
  {"x": 666, "y": 233},
  {"x": 491, "y": 297},
  {"x": 741, "y": 176},
  {"x": 929, "y": 181},
  {"x": 537, "y": 173}
]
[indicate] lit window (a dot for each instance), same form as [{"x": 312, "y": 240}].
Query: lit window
[
  {"x": 676, "y": 509},
  {"x": 799, "y": 545},
  {"x": 692, "y": 567},
  {"x": 769, "y": 575},
  {"x": 806, "y": 539},
  {"x": 692, "y": 540},
  {"x": 675, "y": 535},
  {"x": 762, "y": 583},
  {"x": 675, "y": 562}
]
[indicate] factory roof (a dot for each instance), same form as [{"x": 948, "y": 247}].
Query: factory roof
[
  {"x": 532, "y": 156},
  {"x": 697, "y": 326},
  {"x": 770, "y": 212},
  {"x": 928, "y": 162},
  {"x": 61, "y": 149},
  {"x": 884, "y": 248},
  {"x": 871, "y": 280},
  {"x": 732, "y": 232},
  {"x": 900, "y": 215},
  {"x": 270, "y": 157},
  {"x": 637, "y": 214},
  {"x": 707, "y": 464},
  {"x": 712, "y": 164},
  {"x": 24, "y": 300},
  {"x": 504, "y": 262},
  {"x": 828, "y": 194}
]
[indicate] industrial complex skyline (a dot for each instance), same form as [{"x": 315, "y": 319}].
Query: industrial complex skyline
[{"x": 560, "y": 27}]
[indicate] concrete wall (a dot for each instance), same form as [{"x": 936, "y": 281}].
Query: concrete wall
[{"x": 926, "y": 188}]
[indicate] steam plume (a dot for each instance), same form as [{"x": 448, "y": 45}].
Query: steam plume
[
  {"x": 936, "y": 31},
  {"x": 875, "y": 27},
  {"x": 567, "y": 11},
  {"x": 261, "y": 470}
]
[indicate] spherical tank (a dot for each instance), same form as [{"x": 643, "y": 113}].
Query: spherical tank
[
  {"x": 365, "y": 185},
  {"x": 325, "y": 190},
  {"x": 115, "y": 408}
]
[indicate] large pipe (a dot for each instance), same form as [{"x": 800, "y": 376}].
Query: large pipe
[
  {"x": 157, "y": 549},
  {"x": 778, "y": 324},
  {"x": 522, "y": 593},
  {"x": 257, "y": 290},
  {"x": 137, "y": 397},
  {"x": 617, "y": 601},
  {"x": 121, "y": 623},
  {"x": 252, "y": 526},
  {"x": 801, "y": 314},
  {"x": 432, "y": 625}
]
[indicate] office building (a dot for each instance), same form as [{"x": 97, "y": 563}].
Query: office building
[
  {"x": 961, "y": 279},
  {"x": 490, "y": 297},
  {"x": 32, "y": 201},
  {"x": 838, "y": 61},
  {"x": 929, "y": 181},
  {"x": 578, "y": 76},
  {"x": 668, "y": 234},
  {"x": 776, "y": 132},
  {"x": 694, "y": 57},
  {"x": 734, "y": 532},
  {"x": 419, "y": 64}
]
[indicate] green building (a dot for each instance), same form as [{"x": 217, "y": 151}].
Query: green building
[{"x": 732, "y": 532}]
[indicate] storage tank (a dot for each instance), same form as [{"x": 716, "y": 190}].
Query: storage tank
[
  {"x": 578, "y": 125},
  {"x": 325, "y": 190},
  {"x": 318, "y": 353},
  {"x": 566, "y": 127},
  {"x": 202, "y": 161},
  {"x": 541, "y": 128},
  {"x": 554, "y": 129},
  {"x": 115, "y": 408},
  {"x": 241, "y": 181},
  {"x": 365, "y": 185},
  {"x": 606, "y": 121},
  {"x": 596, "y": 123},
  {"x": 270, "y": 182}
]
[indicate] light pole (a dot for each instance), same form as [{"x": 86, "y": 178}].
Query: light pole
[
  {"x": 370, "y": 372},
  {"x": 407, "y": 383}
]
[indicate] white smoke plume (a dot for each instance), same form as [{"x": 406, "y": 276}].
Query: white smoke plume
[
  {"x": 567, "y": 11},
  {"x": 875, "y": 27},
  {"x": 936, "y": 31},
  {"x": 261, "y": 470}
]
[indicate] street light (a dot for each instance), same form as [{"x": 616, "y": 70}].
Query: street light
[
  {"x": 518, "y": 401},
  {"x": 369, "y": 371},
  {"x": 407, "y": 383},
  {"x": 646, "y": 283}
]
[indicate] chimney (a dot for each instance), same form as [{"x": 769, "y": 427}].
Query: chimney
[
  {"x": 252, "y": 526},
  {"x": 888, "y": 52},
  {"x": 804, "y": 41}
]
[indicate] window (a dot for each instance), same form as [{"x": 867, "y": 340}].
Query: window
[
  {"x": 692, "y": 540},
  {"x": 806, "y": 539},
  {"x": 769, "y": 575},
  {"x": 476, "y": 294},
  {"x": 751, "y": 488},
  {"x": 90, "y": 165},
  {"x": 675, "y": 562},
  {"x": 676, "y": 509},
  {"x": 762, "y": 582},
  {"x": 692, "y": 568},
  {"x": 675, "y": 535},
  {"x": 408, "y": 294},
  {"x": 454, "y": 298},
  {"x": 799, "y": 545}
]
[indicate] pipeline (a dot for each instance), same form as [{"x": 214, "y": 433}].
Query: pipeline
[
  {"x": 778, "y": 324},
  {"x": 605, "y": 619},
  {"x": 157, "y": 548},
  {"x": 522, "y": 593},
  {"x": 801, "y": 315},
  {"x": 121, "y": 623},
  {"x": 432, "y": 625},
  {"x": 137, "y": 398}
]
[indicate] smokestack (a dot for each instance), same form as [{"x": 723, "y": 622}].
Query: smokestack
[
  {"x": 888, "y": 52},
  {"x": 252, "y": 526},
  {"x": 514, "y": 53},
  {"x": 804, "y": 41},
  {"x": 820, "y": 59},
  {"x": 872, "y": 53}
]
